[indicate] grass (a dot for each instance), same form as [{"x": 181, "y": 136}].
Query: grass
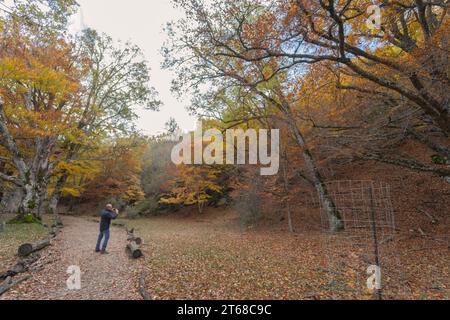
[{"x": 15, "y": 235}]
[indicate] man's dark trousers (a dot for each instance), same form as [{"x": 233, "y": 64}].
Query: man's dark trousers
[{"x": 103, "y": 234}]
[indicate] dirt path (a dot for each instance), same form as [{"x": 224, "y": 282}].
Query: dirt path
[{"x": 103, "y": 277}]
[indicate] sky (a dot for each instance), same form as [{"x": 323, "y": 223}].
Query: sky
[{"x": 142, "y": 22}]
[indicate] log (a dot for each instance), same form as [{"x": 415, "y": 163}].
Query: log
[
  {"x": 145, "y": 295},
  {"x": 135, "y": 239},
  {"x": 28, "y": 248},
  {"x": 134, "y": 250},
  {"x": 21, "y": 266},
  {"x": 55, "y": 231},
  {"x": 9, "y": 283},
  {"x": 132, "y": 237}
]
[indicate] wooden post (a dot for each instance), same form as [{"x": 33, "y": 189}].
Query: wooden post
[{"x": 375, "y": 236}]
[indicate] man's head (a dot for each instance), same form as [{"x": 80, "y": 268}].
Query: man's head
[{"x": 109, "y": 207}]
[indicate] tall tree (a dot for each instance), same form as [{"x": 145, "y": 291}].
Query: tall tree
[
  {"x": 39, "y": 93},
  {"x": 117, "y": 80},
  {"x": 204, "y": 67},
  {"x": 60, "y": 96}
]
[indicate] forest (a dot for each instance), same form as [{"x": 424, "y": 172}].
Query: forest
[{"x": 357, "y": 93}]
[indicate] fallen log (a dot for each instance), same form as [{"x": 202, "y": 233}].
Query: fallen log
[
  {"x": 134, "y": 250},
  {"x": 55, "y": 231},
  {"x": 132, "y": 237},
  {"x": 145, "y": 295},
  {"x": 28, "y": 248},
  {"x": 9, "y": 283},
  {"x": 23, "y": 265}
]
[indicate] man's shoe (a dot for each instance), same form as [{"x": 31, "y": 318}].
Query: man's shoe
[
  {"x": 104, "y": 252},
  {"x": 97, "y": 251}
]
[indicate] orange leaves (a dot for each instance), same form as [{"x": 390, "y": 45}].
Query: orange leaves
[
  {"x": 39, "y": 86},
  {"x": 194, "y": 185},
  {"x": 114, "y": 171}
]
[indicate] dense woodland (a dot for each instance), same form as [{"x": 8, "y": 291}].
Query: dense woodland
[{"x": 343, "y": 94}]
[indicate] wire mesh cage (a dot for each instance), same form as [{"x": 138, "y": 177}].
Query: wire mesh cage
[{"x": 361, "y": 257}]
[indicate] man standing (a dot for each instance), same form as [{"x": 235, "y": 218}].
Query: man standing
[{"x": 107, "y": 215}]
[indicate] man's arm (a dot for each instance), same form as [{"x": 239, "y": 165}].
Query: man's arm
[
  {"x": 115, "y": 214},
  {"x": 111, "y": 215}
]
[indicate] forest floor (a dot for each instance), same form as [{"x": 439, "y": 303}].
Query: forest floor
[
  {"x": 209, "y": 257},
  {"x": 15, "y": 235},
  {"x": 103, "y": 277}
]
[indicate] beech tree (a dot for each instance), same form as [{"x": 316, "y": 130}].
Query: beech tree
[
  {"x": 116, "y": 81},
  {"x": 60, "y": 97},
  {"x": 213, "y": 76},
  {"x": 38, "y": 87},
  {"x": 402, "y": 65}
]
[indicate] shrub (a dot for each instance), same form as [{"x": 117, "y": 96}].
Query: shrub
[
  {"x": 248, "y": 205},
  {"x": 147, "y": 206}
]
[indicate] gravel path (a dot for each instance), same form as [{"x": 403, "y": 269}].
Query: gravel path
[{"x": 103, "y": 277}]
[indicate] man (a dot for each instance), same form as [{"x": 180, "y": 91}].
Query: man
[{"x": 108, "y": 214}]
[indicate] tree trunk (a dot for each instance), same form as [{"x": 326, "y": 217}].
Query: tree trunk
[
  {"x": 57, "y": 193},
  {"x": 9, "y": 283},
  {"x": 2, "y": 184},
  {"x": 134, "y": 250},
  {"x": 286, "y": 191},
  {"x": 35, "y": 189},
  {"x": 142, "y": 290},
  {"x": 73, "y": 150},
  {"x": 334, "y": 217},
  {"x": 23, "y": 265},
  {"x": 28, "y": 248},
  {"x": 13, "y": 199},
  {"x": 29, "y": 203},
  {"x": 132, "y": 237},
  {"x": 34, "y": 173}
]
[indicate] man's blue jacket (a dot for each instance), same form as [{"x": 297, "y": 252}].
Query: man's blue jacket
[{"x": 106, "y": 217}]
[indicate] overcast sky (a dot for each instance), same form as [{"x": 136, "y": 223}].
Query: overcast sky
[{"x": 142, "y": 22}]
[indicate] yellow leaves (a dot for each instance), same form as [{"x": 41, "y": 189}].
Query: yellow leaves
[
  {"x": 112, "y": 169},
  {"x": 79, "y": 168},
  {"x": 37, "y": 82},
  {"x": 71, "y": 191},
  {"x": 12, "y": 69},
  {"x": 26, "y": 73},
  {"x": 133, "y": 194},
  {"x": 50, "y": 81},
  {"x": 389, "y": 51},
  {"x": 194, "y": 184}
]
